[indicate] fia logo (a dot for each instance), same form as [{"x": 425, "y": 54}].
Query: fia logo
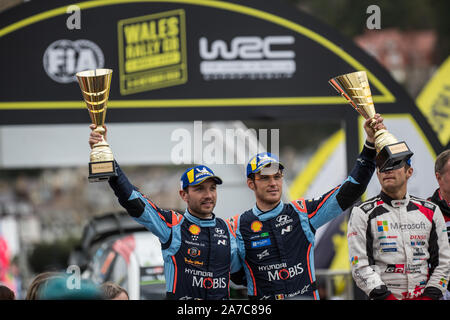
[{"x": 64, "y": 58}]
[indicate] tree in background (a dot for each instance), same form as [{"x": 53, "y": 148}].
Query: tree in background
[{"x": 349, "y": 17}]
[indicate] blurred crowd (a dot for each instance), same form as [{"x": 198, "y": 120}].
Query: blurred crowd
[
  {"x": 39, "y": 207},
  {"x": 59, "y": 286},
  {"x": 63, "y": 201}
]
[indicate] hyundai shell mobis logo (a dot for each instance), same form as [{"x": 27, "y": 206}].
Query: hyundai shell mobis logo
[
  {"x": 281, "y": 271},
  {"x": 256, "y": 226},
  {"x": 194, "y": 229},
  {"x": 206, "y": 279}
]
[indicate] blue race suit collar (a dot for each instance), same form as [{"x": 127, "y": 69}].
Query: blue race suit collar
[
  {"x": 200, "y": 222},
  {"x": 266, "y": 215}
]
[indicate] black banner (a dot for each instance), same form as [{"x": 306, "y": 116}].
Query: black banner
[{"x": 181, "y": 60}]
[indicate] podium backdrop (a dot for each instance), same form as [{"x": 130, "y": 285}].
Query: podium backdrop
[{"x": 185, "y": 60}]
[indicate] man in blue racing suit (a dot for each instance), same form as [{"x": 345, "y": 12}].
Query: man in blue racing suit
[
  {"x": 276, "y": 240},
  {"x": 198, "y": 250}
]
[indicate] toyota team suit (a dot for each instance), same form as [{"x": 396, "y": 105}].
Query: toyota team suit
[
  {"x": 199, "y": 254},
  {"x": 445, "y": 209},
  {"x": 399, "y": 247},
  {"x": 277, "y": 246}
]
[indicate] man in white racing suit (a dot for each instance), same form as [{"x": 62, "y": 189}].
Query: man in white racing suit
[{"x": 398, "y": 243}]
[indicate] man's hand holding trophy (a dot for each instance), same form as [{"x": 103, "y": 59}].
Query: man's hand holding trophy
[
  {"x": 95, "y": 85},
  {"x": 391, "y": 154}
]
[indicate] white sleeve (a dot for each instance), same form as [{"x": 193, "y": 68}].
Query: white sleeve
[
  {"x": 365, "y": 275},
  {"x": 439, "y": 253}
]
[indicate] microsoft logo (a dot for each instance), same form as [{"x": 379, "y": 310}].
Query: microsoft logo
[{"x": 382, "y": 226}]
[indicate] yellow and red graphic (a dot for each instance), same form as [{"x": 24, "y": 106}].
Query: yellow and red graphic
[
  {"x": 194, "y": 229},
  {"x": 256, "y": 226},
  {"x": 152, "y": 51},
  {"x": 434, "y": 102}
]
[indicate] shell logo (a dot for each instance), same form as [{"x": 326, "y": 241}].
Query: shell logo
[
  {"x": 194, "y": 229},
  {"x": 256, "y": 226}
]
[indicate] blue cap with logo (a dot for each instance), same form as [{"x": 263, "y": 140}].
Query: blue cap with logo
[
  {"x": 197, "y": 175},
  {"x": 262, "y": 160}
]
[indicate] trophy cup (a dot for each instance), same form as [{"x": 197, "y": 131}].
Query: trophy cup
[
  {"x": 391, "y": 154},
  {"x": 95, "y": 85}
]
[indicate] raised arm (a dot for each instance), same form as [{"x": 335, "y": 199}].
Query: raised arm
[{"x": 138, "y": 206}]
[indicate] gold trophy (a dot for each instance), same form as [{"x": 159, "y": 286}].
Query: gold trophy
[
  {"x": 95, "y": 85},
  {"x": 391, "y": 154}
]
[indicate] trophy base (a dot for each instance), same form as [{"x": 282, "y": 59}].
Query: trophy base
[
  {"x": 102, "y": 171},
  {"x": 393, "y": 156}
]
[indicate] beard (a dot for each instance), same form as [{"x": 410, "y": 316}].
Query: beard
[
  {"x": 197, "y": 207},
  {"x": 266, "y": 197}
]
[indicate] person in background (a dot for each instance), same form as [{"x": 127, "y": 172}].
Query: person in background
[
  {"x": 441, "y": 196},
  {"x": 63, "y": 288},
  {"x": 398, "y": 244},
  {"x": 6, "y": 293},
  {"x": 112, "y": 291},
  {"x": 54, "y": 286},
  {"x": 39, "y": 282}
]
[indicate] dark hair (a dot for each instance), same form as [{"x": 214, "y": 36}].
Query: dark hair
[
  {"x": 112, "y": 290},
  {"x": 39, "y": 282},
  {"x": 6, "y": 293},
  {"x": 441, "y": 161}
]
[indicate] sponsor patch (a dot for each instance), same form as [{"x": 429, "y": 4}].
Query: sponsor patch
[
  {"x": 194, "y": 229},
  {"x": 382, "y": 226},
  {"x": 351, "y": 234},
  {"x": 256, "y": 226},
  {"x": 395, "y": 268},
  {"x": 367, "y": 207},
  {"x": 261, "y": 243},
  {"x": 152, "y": 51},
  {"x": 388, "y": 250}
]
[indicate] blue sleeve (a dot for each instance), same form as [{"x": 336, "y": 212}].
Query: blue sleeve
[
  {"x": 233, "y": 226},
  {"x": 141, "y": 209},
  {"x": 236, "y": 264},
  {"x": 356, "y": 184},
  {"x": 244, "y": 276},
  {"x": 319, "y": 210},
  {"x": 334, "y": 202}
]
